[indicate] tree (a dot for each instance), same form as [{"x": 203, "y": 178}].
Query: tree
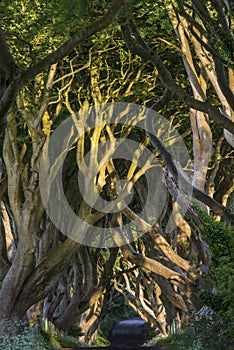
[
  {"x": 21, "y": 161},
  {"x": 158, "y": 273}
]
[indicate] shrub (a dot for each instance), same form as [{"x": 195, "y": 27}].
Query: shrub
[
  {"x": 100, "y": 340},
  {"x": 25, "y": 340},
  {"x": 221, "y": 243},
  {"x": 179, "y": 341},
  {"x": 43, "y": 337}
]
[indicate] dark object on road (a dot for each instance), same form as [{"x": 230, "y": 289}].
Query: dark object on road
[{"x": 131, "y": 332}]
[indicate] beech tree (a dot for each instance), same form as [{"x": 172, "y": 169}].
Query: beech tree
[
  {"x": 42, "y": 270},
  {"x": 206, "y": 42},
  {"x": 25, "y": 208}
]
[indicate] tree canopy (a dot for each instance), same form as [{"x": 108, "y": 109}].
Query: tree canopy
[{"x": 103, "y": 199}]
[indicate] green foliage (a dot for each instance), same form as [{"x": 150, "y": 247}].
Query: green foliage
[
  {"x": 210, "y": 332},
  {"x": 57, "y": 339},
  {"x": 150, "y": 15},
  {"x": 182, "y": 341},
  {"x": 219, "y": 238},
  {"x": 25, "y": 340},
  {"x": 221, "y": 243},
  {"x": 213, "y": 300},
  {"x": 101, "y": 340},
  {"x": 205, "y": 335},
  {"x": 28, "y": 340},
  {"x": 214, "y": 326},
  {"x": 35, "y": 28},
  {"x": 74, "y": 330},
  {"x": 68, "y": 341},
  {"x": 50, "y": 338}
]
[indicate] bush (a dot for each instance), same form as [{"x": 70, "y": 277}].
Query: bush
[
  {"x": 203, "y": 337},
  {"x": 38, "y": 337},
  {"x": 208, "y": 331},
  {"x": 74, "y": 330},
  {"x": 221, "y": 243},
  {"x": 180, "y": 341},
  {"x": 58, "y": 340},
  {"x": 100, "y": 340},
  {"x": 68, "y": 342},
  {"x": 26, "y": 341}
]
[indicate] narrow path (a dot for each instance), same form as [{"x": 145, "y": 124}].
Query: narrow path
[{"x": 128, "y": 334}]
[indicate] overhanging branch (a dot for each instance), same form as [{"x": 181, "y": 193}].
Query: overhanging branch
[
  {"x": 135, "y": 46},
  {"x": 218, "y": 208},
  {"x": 24, "y": 77}
]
